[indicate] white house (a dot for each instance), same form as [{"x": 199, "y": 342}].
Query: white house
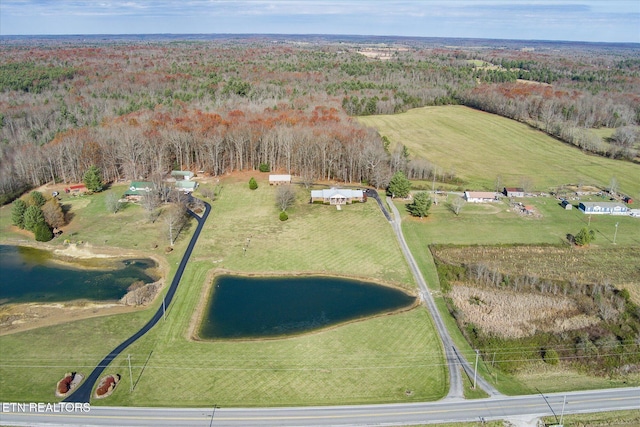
[
  {"x": 480, "y": 196},
  {"x": 603, "y": 208},
  {"x": 279, "y": 179},
  {"x": 337, "y": 196}
]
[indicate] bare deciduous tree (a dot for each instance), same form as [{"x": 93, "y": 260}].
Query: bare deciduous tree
[
  {"x": 175, "y": 218},
  {"x": 285, "y": 197},
  {"x": 112, "y": 203},
  {"x": 456, "y": 205}
]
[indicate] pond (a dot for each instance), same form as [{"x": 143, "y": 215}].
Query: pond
[
  {"x": 249, "y": 307},
  {"x": 34, "y": 275}
]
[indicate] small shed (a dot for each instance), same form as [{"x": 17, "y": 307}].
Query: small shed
[
  {"x": 513, "y": 192},
  {"x": 279, "y": 179},
  {"x": 565, "y": 204},
  {"x": 76, "y": 189}
]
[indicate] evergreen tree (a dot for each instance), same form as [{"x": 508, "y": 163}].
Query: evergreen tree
[
  {"x": 37, "y": 199},
  {"x": 42, "y": 232},
  {"x": 92, "y": 179},
  {"x": 18, "y": 209},
  {"x": 32, "y": 217},
  {"x": 253, "y": 184},
  {"x": 420, "y": 205},
  {"x": 584, "y": 237},
  {"x": 399, "y": 185}
]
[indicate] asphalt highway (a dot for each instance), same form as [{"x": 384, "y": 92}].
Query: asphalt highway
[{"x": 448, "y": 410}]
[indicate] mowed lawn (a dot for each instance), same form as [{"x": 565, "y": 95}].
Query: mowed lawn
[
  {"x": 479, "y": 146},
  {"x": 390, "y": 358}
]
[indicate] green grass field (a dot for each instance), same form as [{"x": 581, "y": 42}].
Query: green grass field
[
  {"x": 479, "y": 146},
  {"x": 392, "y": 358}
]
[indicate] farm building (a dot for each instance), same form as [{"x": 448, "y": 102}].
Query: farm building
[
  {"x": 137, "y": 189},
  {"x": 567, "y": 205},
  {"x": 337, "y": 196},
  {"x": 76, "y": 189},
  {"x": 603, "y": 208},
  {"x": 513, "y": 192},
  {"x": 480, "y": 196},
  {"x": 279, "y": 179},
  {"x": 182, "y": 175}
]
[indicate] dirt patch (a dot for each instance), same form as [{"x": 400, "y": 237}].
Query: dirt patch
[{"x": 22, "y": 317}]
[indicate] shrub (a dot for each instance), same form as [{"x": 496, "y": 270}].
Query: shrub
[
  {"x": 42, "y": 232},
  {"x": 264, "y": 167},
  {"x": 253, "y": 184},
  {"x": 37, "y": 199},
  {"x": 584, "y": 237},
  {"x": 283, "y": 216},
  {"x": 550, "y": 356}
]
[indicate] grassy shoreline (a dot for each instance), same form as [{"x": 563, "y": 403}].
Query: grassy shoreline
[{"x": 390, "y": 358}]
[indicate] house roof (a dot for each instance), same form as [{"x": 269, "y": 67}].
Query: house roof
[
  {"x": 330, "y": 193},
  {"x": 480, "y": 194},
  {"x": 279, "y": 177},
  {"x": 137, "y": 188},
  {"x": 186, "y": 185},
  {"x": 514, "y": 189},
  {"x": 182, "y": 173},
  {"x": 604, "y": 204}
]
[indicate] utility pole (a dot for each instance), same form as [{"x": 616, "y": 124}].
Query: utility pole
[
  {"x": 616, "y": 233},
  {"x": 475, "y": 371},
  {"x": 562, "y": 413},
  {"x": 164, "y": 310},
  {"x": 130, "y": 374}
]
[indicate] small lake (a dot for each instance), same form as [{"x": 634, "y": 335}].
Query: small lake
[
  {"x": 34, "y": 275},
  {"x": 249, "y": 307}
]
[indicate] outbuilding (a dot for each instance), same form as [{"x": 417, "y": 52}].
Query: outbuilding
[
  {"x": 513, "y": 192},
  {"x": 279, "y": 179}
]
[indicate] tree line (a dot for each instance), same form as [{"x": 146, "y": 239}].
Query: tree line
[{"x": 139, "y": 109}]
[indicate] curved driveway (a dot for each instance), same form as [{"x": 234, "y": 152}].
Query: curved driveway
[
  {"x": 83, "y": 392},
  {"x": 454, "y": 360}
]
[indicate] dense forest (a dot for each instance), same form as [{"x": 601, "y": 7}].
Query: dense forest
[{"x": 137, "y": 108}]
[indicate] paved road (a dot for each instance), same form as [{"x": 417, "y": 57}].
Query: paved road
[
  {"x": 83, "y": 392},
  {"x": 516, "y": 408}
]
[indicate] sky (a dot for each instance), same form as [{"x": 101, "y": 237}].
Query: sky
[{"x": 571, "y": 20}]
